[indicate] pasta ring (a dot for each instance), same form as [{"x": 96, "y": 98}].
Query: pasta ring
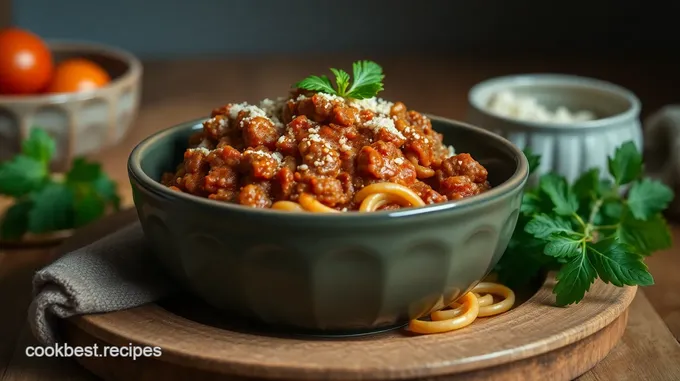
[
  {"x": 457, "y": 308},
  {"x": 391, "y": 188},
  {"x": 485, "y": 300},
  {"x": 374, "y": 201},
  {"x": 495, "y": 289},
  {"x": 289, "y": 206},
  {"x": 311, "y": 204},
  {"x": 469, "y": 311}
]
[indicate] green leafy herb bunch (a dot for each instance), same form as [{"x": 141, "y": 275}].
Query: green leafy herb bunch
[
  {"x": 45, "y": 202},
  {"x": 588, "y": 229}
]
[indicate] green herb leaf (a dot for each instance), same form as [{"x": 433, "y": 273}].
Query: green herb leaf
[
  {"x": 88, "y": 208},
  {"x": 107, "y": 190},
  {"x": 645, "y": 237},
  {"x": 317, "y": 83},
  {"x": 15, "y": 221},
  {"x": 556, "y": 188},
  {"x": 52, "y": 209},
  {"x": 564, "y": 247},
  {"x": 83, "y": 171},
  {"x": 543, "y": 226},
  {"x": 626, "y": 165},
  {"x": 648, "y": 197},
  {"x": 21, "y": 175},
  {"x": 39, "y": 146},
  {"x": 619, "y": 266},
  {"x": 341, "y": 79},
  {"x": 574, "y": 280},
  {"x": 587, "y": 185},
  {"x": 368, "y": 77},
  {"x": 533, "y": 159},
  {"x": 520, "y": 266},
  {"x": 531, "y": 204}
]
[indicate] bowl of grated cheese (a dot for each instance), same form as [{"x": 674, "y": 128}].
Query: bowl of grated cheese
[{"x": 573, "y": 122}]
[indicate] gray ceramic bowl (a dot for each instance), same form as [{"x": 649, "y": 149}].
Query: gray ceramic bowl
[
  {"x": 342, "y": 273},
  {"x": 568, "y": 149}
]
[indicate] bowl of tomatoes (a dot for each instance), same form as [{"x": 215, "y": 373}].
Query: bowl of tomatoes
[{"x": 85, "y": 95}]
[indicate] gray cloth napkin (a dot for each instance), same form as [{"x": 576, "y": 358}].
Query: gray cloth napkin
[{"x": 114, "y": 273}]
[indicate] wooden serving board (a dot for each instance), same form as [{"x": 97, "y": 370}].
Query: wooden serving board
[{"x": 533, "y": 341}]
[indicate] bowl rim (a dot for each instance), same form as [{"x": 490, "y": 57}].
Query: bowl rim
[
  {"x": 516, "y": 181},
  {"x": 133, "y": 71},
  {"x": 556, "y": 80}
]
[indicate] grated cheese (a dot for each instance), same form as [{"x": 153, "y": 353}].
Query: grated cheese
[
  {"x": 378, "y": 123},
  {"x": 272, "y": 155},
  {"x": 272, "y": 108},
  {"x": 452, "y": 151},
  {"x": 343, "y": 144},
  {"x": 202, "y": 150},
  {"x": 313, "y": 137},
  {"x": 222, "y": 124},
  {"x": 303, "y": 167},
  {"x": 399, "y": 160},
  {"x": 511, "y": 105},
  {"x": 251, "y": 110},
  {"x": 377, "y": 105},
  {"x": 331, "y": 97}
]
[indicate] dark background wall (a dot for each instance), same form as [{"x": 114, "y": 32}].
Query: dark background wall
[{"x": 176, "y": 28}]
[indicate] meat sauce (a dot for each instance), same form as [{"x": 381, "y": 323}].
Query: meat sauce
[{"x": 325, "y": 146}]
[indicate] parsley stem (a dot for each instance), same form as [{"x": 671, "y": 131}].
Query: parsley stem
[
  {"x": 580, "y": 220},
  {"x": 594, "y": 211},
  {"x": 606, "y": 227}
]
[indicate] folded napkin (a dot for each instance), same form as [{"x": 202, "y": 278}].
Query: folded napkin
[{"x": 117, "y": 272}]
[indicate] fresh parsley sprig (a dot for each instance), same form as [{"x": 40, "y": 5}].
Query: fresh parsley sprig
[
  {"x": 368, "y": 77},
  {"x": 588, "y": 230},
  {"x": 44, "y": 203}
]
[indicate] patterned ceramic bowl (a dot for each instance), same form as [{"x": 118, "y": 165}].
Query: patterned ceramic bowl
[
  {"x": 329, "y": 273},
  {"x": 82, "y": 122},
  {"x": 566, "y": 148}
]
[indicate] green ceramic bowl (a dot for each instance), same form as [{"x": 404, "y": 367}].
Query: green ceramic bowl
[{"x": 345, "y": 273}]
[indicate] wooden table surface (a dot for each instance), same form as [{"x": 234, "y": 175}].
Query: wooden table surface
[{"x": 176, "y": 91}]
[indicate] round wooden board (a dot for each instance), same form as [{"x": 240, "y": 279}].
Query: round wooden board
[{"x": 533, "y": 341}]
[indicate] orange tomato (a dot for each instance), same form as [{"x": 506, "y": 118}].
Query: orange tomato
[
  {"x": 25, "y": 62},
  {"x": 77, "y": 74}
]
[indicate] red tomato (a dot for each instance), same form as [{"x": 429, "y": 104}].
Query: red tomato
[
  {"x": 25, "y": 62},
  {"x": 77, "y": 74}
]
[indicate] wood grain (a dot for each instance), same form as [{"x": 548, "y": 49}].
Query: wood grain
[
  {"x": 565, "y": 363},
  {"x": 189, "y": 343}
]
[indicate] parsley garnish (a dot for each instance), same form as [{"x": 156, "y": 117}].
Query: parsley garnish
[
  {"x": 368, "y": 77},
  {"x": 44, "y": 203},
  {"x": 588, "y": 230}
]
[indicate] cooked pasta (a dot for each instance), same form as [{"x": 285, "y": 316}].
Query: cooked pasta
[{"x": 479, "y": 302}]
